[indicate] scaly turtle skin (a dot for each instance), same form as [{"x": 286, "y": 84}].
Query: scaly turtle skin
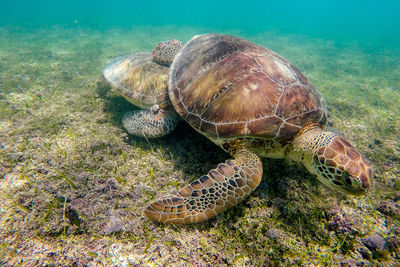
[
  {"x": 252, "y": 103},
  {"x": 165, "y": 51},
  {"x": 143, "y": 82}
]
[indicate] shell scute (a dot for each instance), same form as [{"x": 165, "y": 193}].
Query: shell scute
[
  {"x": 210, "y": 53},
  {"x": 229, "y": 128},
  {"x": 300, "y": 99},
  {"x": 267, "y": 126},
  {"x": 209, "y": 128},
  {"x": 277, "y": 70},
  {"x": 304, "y": 118},
  {"x": 288, "y": 130},
  {"x": 234, "y": 107},
  {"x": 254, "y": 50}
]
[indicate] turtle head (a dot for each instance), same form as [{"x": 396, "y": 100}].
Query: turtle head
[
  {"x": 335, "y": 161},
  {"x": 341, "y": 166},
  {"x": 165, "y": 51}
]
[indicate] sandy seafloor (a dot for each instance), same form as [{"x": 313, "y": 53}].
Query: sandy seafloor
[{"x": 73, "y": 183}]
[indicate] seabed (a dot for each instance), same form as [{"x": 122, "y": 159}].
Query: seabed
[{"x": 73, "y": 183}]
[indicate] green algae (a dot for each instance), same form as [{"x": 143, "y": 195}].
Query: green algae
[{"x": 73, "y": 183}]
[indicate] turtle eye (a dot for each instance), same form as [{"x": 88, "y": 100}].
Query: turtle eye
[{"x": 346, "y": 179}]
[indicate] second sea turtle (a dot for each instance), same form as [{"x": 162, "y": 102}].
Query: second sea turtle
[{"x": 143, "y": 82}]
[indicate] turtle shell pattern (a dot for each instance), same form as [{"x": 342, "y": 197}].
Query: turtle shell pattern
[
  {"x": 227, "y": 87},
  {"x": 138, "y": 79}
]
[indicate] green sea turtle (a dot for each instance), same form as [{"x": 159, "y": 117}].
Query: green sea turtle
[
  {"x": 143, "y": 82},
  {"x": 252, "y": 103}
]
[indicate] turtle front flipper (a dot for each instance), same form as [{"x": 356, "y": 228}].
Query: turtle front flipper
[
  {"x": 150, "y": 123},
  {"x": 220, "y": 189}
]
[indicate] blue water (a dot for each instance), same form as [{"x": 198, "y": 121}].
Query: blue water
[{"x": 369, "y": 21}]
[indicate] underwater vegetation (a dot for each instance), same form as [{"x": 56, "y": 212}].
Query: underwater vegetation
[{"x": 73, "y": 183}]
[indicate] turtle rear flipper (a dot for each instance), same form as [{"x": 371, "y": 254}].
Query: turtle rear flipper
[
  {"x": 211, "y": 194},
  {"x": 150, "y": 123}
]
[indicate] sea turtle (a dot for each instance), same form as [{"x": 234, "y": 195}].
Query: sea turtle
[
  {"x": 252, "y": 103},
  {"x": 143, "y": 82}
]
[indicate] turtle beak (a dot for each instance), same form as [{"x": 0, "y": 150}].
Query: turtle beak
[
  {"x": 353, "y": 191},
  {"x": 357, "y": 183}
]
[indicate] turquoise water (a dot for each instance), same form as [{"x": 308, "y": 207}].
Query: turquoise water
[{"x": 340, "y": 20}]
